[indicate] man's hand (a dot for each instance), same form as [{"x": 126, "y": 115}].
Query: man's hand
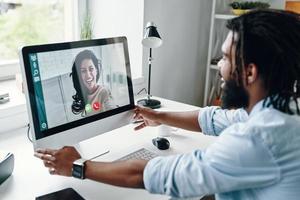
[
  {"x": 148, "y": 116},
  {"x": 127, "y": 173},
  {"x": 60, "y": 161}
]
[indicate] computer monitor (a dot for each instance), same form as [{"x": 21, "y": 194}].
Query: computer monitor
[{"x": 76, "y": 90}]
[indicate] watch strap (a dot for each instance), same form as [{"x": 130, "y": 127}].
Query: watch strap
[{"x": 80, "y": 161}]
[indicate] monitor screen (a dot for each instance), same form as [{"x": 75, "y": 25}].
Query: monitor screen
[{"x": 76, "y": 83}]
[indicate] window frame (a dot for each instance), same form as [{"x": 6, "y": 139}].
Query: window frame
[
  {"x": 73, "y": 15},
  {"x": 73, "y": 9}
]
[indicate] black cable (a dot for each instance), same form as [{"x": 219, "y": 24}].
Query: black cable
[
  {"x": 144, "y": 89},
  {"x": 28, "y": 131}
]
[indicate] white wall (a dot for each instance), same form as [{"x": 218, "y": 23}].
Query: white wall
[
  {"x": 179, "y": 66},
  {"x": 278, "y": 4},
  {"x": 125, "y": 19},
  {"x": 178, "y": 69}
]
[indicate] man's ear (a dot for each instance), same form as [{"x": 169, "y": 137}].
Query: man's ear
[{"x": 251, "y": 73}]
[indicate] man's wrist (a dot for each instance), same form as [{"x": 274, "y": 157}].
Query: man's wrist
[
  {"x": 87, "y": 169},
  {"x": 160, "y": 117}
]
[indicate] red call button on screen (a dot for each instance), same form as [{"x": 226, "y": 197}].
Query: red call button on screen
[{"x": 96, "y": 106}]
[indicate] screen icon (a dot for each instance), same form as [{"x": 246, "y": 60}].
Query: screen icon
[
  {"x": 88, "y": 108},
  {"x": 96, "y": 106},
  {"x": 36, "y": 79},
  {"x": 34, "y": 65},
  {"x": 33, "y": 58},
  {"x": 44, "y": 125},
  {"x": 35, "y": 72}
]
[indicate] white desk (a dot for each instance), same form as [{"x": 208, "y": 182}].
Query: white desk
[{"x": 30, "y": 178}]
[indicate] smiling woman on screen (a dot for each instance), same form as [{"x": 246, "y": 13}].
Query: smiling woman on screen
[{"x": 90, "y": 97}]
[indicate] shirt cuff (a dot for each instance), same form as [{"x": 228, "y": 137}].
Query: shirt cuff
[
  {"x": 152, "y": 176},
  {"x": 205, "y": 120}
]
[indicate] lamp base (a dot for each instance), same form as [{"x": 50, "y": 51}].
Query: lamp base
[{"x": 150, "y": 103}]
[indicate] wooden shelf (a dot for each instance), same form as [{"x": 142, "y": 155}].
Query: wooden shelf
[
  {"x": 212, "y": 69},
  {"x": 215, "y": 67},
  {"x": 224, "y": 16}
]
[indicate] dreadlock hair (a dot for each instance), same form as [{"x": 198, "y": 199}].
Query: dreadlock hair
[
  {"x": 79, "y": 98},
  {"x": 271, "y": 40}
]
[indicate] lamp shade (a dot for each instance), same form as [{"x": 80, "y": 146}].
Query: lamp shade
[{"x": 152, "y": 38}]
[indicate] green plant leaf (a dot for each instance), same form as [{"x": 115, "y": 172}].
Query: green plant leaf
[
  {"x": 86, "y": 29},
  {"x": 245, "y": 5}
]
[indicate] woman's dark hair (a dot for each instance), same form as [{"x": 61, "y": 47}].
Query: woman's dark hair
[
  {"x": 271, "y": 40},
  {"x": 80, "y": 97}
]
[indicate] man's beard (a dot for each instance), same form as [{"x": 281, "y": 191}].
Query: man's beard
[{"x": 234, "y": 95}]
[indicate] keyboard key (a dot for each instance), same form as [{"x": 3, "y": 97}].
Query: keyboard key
[{"x": 142, "y": 153}]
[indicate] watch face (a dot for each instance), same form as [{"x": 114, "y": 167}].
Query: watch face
[{"x": 77, "y": 171}]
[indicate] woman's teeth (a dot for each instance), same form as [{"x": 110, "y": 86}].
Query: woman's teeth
[{"x": 89, "y": 82}]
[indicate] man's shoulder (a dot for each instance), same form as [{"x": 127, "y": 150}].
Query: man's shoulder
[
  {"x": 273, "y": 118},
  {"x": 272, "y": 126},
  {"x": 264, "y": 121}
]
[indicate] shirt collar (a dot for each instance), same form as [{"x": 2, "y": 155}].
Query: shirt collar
[{"x": 257, "y": 107}]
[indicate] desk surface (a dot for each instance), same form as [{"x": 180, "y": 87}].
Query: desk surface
[{"x": 30, "y": 178}]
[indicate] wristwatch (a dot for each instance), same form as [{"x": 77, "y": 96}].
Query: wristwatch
[{"x": 79, "y": 168}]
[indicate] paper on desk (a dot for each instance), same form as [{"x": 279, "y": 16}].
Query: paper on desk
[
  {"x": 3, "y": 155},
  {"x": 3, "y": 91}
]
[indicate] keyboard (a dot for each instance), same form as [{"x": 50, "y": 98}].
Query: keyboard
[{"x": 142, "y": 153}]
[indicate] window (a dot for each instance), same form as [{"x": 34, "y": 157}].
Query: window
[
  {"x": 29, "y": 22},
  {"x": 121, "y": 18}
]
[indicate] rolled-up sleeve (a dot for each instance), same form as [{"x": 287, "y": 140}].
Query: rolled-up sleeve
[
  {"x": 213, "y": 120},
  {"x": 221, "y": 168}
]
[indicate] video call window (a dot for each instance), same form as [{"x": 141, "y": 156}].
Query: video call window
[{"x": 77, "y": 83}]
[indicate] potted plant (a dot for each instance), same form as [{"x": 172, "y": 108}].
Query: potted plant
[
  {"x": 241, "y": 7},
  {"x": 86, "y": 29}
]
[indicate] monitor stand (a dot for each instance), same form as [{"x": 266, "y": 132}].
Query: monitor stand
[
  {"x": 111, "y": 145},
  {"x": 91, "y": 149},
  {"x": 103, "y": 147}
]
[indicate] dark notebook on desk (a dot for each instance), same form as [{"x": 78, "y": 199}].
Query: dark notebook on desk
[{"x": 65, "y": 194}]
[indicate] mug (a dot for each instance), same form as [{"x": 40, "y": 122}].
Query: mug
[{"x": 166, "y": 131}]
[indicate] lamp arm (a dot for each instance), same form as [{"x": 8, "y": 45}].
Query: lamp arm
[{"x": 149, "y": 74}]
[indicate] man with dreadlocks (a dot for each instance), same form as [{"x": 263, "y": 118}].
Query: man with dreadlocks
[{"x": 257, "y": 151}]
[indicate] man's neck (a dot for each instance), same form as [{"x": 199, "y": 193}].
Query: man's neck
[
  {"x": 253, "y": 101},
  {"x": 256, "y": 93}
]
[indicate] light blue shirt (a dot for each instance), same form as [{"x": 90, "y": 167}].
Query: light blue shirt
[{"x": 254, "y": 157}]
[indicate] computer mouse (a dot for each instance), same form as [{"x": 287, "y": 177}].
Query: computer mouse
[{"x": 161, "y": 143}]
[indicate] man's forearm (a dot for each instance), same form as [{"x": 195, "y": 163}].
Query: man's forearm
[
  {"x": 184, "y": 120},
  {"x": 124, "y": 173}
]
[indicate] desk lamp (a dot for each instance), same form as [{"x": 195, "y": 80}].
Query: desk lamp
[{"x": 151, "y": 40}]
